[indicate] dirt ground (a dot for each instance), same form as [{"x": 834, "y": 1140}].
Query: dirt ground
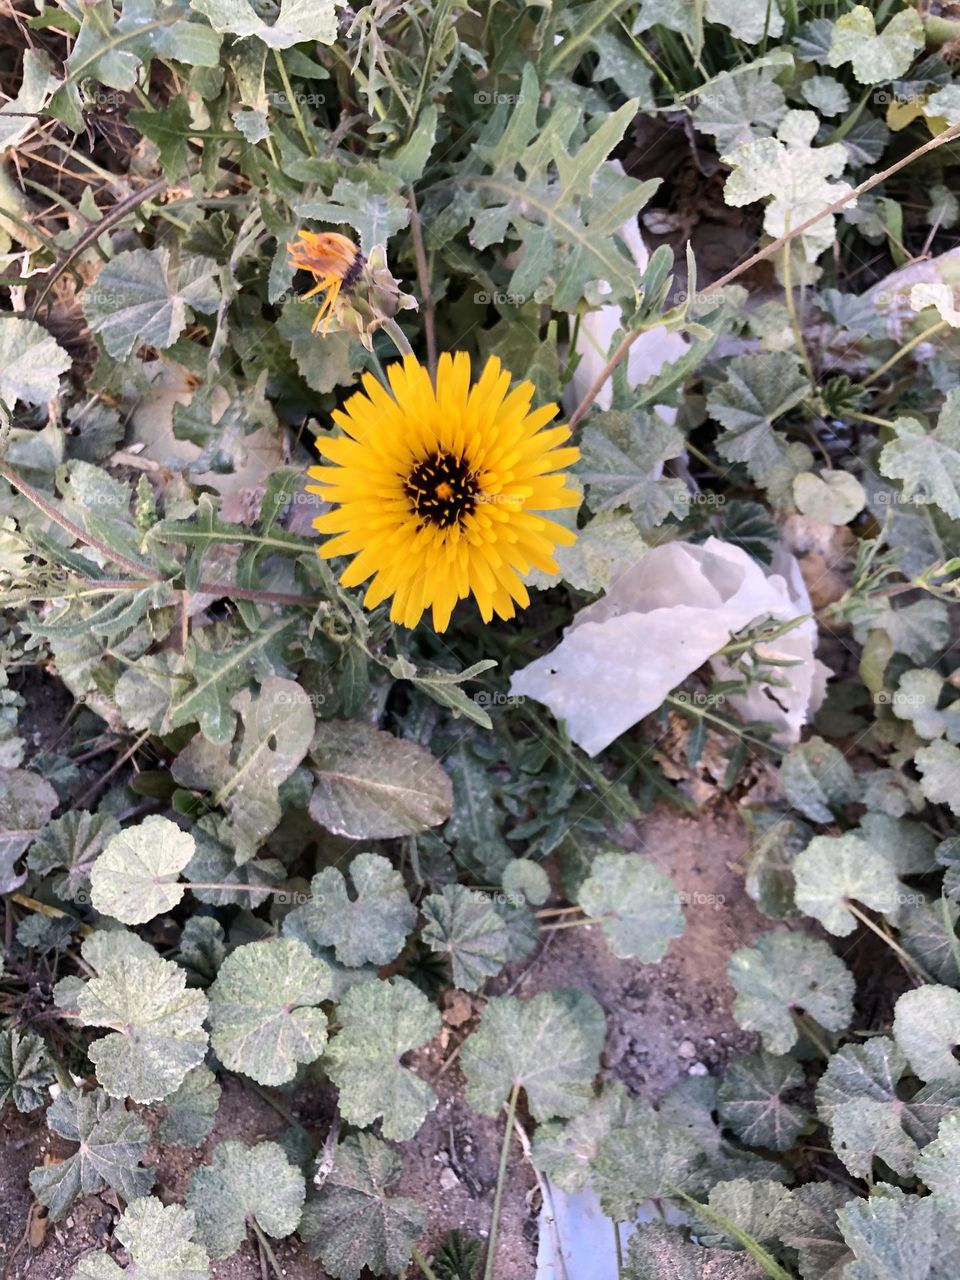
[{"x": 664, "y": 1020}]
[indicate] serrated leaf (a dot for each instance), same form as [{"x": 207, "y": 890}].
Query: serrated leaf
[
  {"x": 939, "y": 766},
  {"x": 833, "y": 871},
  {"x": 653, "y": 1158},
  {"x": 757, "y": 1208},
  {"x": 898, "y": 1237},
  {"x": 371, "y": 785},
  {"x": 243, "y": 1183},
  {"x": 142, "y": 296},
  {"x": 927, "y": 462},
  {"x": 739, "y": 107},
  {"x": 751, "y": 1101},
  {"x": 71, "y": 844},
  {"x": 621, "y": 455},
  {"x": 783, "y": 973},
  {"x": 876, "y": 56},
  {"x": 136, "y": 877},
  {"x": 811, "y": 1228},
  {"x": 926, "y": 1026},
  {"x": 157, "y": 1031},
  {"x": 380, "y": 1022},
  {"x": 565, "y": 1150},
  {"x": 296, "y": 22},
  {"x": 758, "y": 390},
  {"x": 26, "y": 803},
  {"x": 112, "y": 1142},
  {"x": 370, "y": 927},
  {"x": 464, "y": 924},
  {"x": 31, "y": 362},
  {"x": 928, "y": 932},
  {"x": 25, "y": 1072},
  {"x": 353, "y": 1223},
  {"x": 475, "y": 826},
  {"x": 192, "y": 1109},
  {"x": 263, "y": 1015},
  {"x": 549, "y": 1045},
  {"x": 373, "y": 208},
  {"x": 818, "y": 780},
  {"x": 637, "y": 904},
  {"x": 939, "y": 1166},
  {"x": 244, "y": 777},
  {"x": 157, "y": 1238}
]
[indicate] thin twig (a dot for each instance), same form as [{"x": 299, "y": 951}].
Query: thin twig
[{"x": 501, "y": 1179}]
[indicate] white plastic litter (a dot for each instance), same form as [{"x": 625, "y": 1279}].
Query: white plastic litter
[{"x": 660, "y": 620}]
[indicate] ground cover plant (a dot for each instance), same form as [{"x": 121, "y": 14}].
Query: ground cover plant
[{"x": 389, "y": 538}]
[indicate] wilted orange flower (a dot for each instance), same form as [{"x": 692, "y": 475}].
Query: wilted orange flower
[{"x": 334, "y": 262}]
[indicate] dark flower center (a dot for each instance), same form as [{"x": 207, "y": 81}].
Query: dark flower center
[{"x": 442, "y": 489}]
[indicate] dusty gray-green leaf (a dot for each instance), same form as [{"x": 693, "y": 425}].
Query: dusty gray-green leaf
[
  {"x": 783, "y": 973},
  {"x": 651, "y": 1158},
  {"x": 244, "y": 777},
  {"x": 202, "y": 949},
  {"x": 372, "y": 785},
  {"x": 757, "y": 391},
  {"x": 372, "y": 207},
  {"x": 25, "y": 1073},
  {"x": 143, "y": 297},
  {"x": 136, "y": 877},
  {"x": 380, "y": 1022},
  {"x": 818, "y": 780},
  {"x": 826, "y": 95},
  {"x": 26, "y": 803},
  {"x": 834, "y": 497},
  {"x": 528, "y": 878},
  {"x": 757, "y": 1207},
  {"x": 926, "y": 1026},
  {"x": 637, "y": 904},
  {"x": 549, "y": 1045},
  {"x": 928, "y": 462},
  {"x": 368, "y": 928},
  {"x": 243, "y": 1183},
  {"x": 353, "y": 1223},
  {"x": 939, "y": 1166},
  {"x": 156, "y": 1022},
  {"x": 621, "y": 455},
  {"x": 263, "y": 1015},
  {"x": 811, "y": 1228},
  {"x": 464, "y": 924},
  {"x": 158, "y": 1240},
  {"x": 215, "y": 863},
  {"x": 564, "y": 1150},
  {"x": 894, "y": 1236},
  {"x": 31, "y": 362},
  {"x": 751, "y": 1101},
  {"x": 192, "y": 1109},
  {"x": 297, "y": 21},
  {"x": 939, "y": 766},
  {"x": 71, "y": 844},
  {"x": 834, "y": 870},
  {"x": 876, "y": 56},
  {"x": 740, "y": 107},
  {"x": 916, "y": 699},
  {"x": 112, "y": 1142}
]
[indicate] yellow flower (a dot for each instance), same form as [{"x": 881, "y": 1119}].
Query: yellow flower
[
  {"x": 436, "y": 490},
  {"x": 334, "y": 262}
]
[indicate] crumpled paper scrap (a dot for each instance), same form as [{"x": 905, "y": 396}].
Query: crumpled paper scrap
[{"x": 660, "y": 620}]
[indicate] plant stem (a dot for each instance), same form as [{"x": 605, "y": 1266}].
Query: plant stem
[
  {"x": 774, "y": 247},
  {"x": 571, "y": 924},
  {"x": 907, "y": 960},
  {"x": 293, "y": 103},
  {"x": 867, "y": 417},
  {"x": 265, "y": 1246},
  {"x": 391, "y": 327},
  {"x": 794, "y": 317},
  {"x": 905, "y": 350},
  {"x": 501, "y": 1178},
  {"x": 423, "y": 279},
  {"x": 619, "y": 1245},
  {"x": 422, "y": 1263}
]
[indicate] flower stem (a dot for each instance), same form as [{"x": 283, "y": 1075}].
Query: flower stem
[
  {"x": 292, "y": 101},
  {"x": 501, "y": 1178},
  {"x": 399, "y": 337}
]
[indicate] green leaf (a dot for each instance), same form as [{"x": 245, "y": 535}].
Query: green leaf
[
  {"x": 939, "y": 1166},
  {"x": 565, "y": 1150},
  {"x": 71, "y": 844},
  {"x": 244, "y": 777},
  {"x": 916, "y": 700},
  {"x": 24, "y": 1069},
  {"x": 757, "y": 391},
  {"x": 754, "y": 1208},
  {"x": 928, "y": 462},
  {"x": 241, "y": 1184},
  {"x": 156, "y": 1023},
  {"x": 818, "y": 780},
  {"x": 35, "y": 88},
  {"x": 826, "y": 95},
  {"x": 926, "y": 1026},
  {"x": 263, "y": 1019},
  {"x": 834, "y": 497},
  {"x": 26, "y": 803},
  {"x": 811, "y": 1228},
  {"x": 371, "y": 785},
  {"x": 526, "y": 877},
  {"x": 372, "y": 926},
  {"x": 751, "y": 1101},
  {"x": 637, "y": 903},
  {"x": 157, "y": 1238},
  {"x": 297, "y": 21},
  {"x": 549, "y": 1045},
  {"x": 215, "y": 863},
  {"x": 353, "y": 1224},
  {"x": 31, "y": 362},
  {"x": 654, "y": 1157},
  {"x": 741, "y": 106},
  {"x": 136, "y": 876},
  {"x": 475, "y": 826},
  {"x": 381, "y": 1021},
  {"x": 112, "y": 1142},
  {"x": 192, "y": 1109},
  {"x": 787, "y": 972},
  {"x": 876, "y": 57},
  {"x": 170, "y": 129},
  {"x": 373, "y": 208},
  {"x": 142, "y": 297},
  {"x": 621, "y": 455},
  {"x": 939, "y": 766},
  {"x": 464, "y": 924},
  {"x": 833, "y": 870},
  {"x": 898, "y": 1237}
]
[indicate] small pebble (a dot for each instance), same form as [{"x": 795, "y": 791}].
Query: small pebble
[
  {"x": 698, "y": 1069},
  {"x": 687, "y": 1049},
  {"x": 448, "y": 1180}
]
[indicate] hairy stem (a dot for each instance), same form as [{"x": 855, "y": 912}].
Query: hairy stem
[{"x": 501, "y": 1178}]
